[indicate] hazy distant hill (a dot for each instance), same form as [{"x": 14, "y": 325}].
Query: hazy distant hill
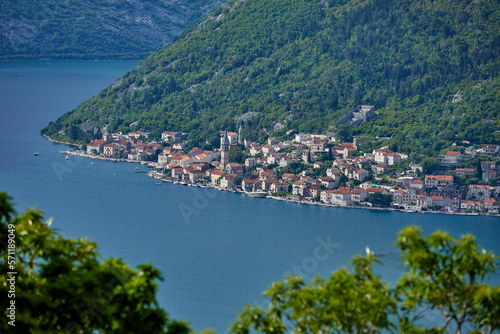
[
  {"x": 94, "y": 28},
  {"x": 304, "y": 64}
]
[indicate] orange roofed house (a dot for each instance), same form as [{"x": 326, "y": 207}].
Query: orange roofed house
[
  {"x": 478, "y": 191},
  {"x": 451, "y": 157},
  {"x": 342, "y": 196},
  {"x": 438, "y": 181}
]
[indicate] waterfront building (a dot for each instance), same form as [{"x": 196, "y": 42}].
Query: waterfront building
[
  {"x": 96, "y": 147},
  {"x": 112, "y": 151}
]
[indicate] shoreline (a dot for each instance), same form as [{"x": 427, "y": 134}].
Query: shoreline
[
  {"x": 59, "y": 141},
  {"x": 161, "y": 177},
  {"x": 84, "y": 155}
]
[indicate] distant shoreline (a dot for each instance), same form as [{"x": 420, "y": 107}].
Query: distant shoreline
[
  {"x": 78, "y": 57},
  {"x": 169, "y": 180}
]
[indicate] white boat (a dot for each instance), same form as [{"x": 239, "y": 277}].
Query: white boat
[
  {"x": 66, "y": 157},
  {"x": 157, "y": 183},
  {"x": 92, "y": 163},
  {"x": 35, "y": 154}
]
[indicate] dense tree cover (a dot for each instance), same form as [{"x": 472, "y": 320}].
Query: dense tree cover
[
  {"x": 379, "y": 199},
  {"x": 94, "y": 29},
  {"x": 63, "y": 286},
  {"x": 442, "y": 275},
  {"x": 305, "y": 64},
  {"x": 430, "y": 165}
]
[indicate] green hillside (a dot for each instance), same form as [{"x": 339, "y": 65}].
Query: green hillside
[
  {"x": 305, "y": 63},
  {"x": 94, "y": 29}
]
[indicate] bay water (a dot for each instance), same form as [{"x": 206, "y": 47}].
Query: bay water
[{"x": 217, "y": 250}]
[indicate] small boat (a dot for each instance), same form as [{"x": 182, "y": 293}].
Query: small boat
[
  {"x": 66, "y": 157},
  {"x": 157, "y": 183},
  {"x": 136, "y": 168},
  {"x": 92, "y": 163},
  {"x": 115, "y": 174},
  {"x": 35, "y": 154},
  {"x": 183, "y": 183}
]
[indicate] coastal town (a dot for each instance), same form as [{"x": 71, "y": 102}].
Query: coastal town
[{"x": 315, "y": 169}]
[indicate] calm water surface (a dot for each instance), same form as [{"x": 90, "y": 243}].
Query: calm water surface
[{"x": 216, "y": 250}]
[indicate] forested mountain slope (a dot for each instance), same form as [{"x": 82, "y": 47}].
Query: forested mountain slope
[
  {"x": 94, "y": 29},
  {"x": 304, "y": 64}
]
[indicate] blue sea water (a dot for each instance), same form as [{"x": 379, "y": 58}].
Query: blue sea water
[{"x": 217, "y": 250}]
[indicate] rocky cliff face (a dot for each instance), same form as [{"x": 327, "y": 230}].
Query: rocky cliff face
[{"x": 101, "y": 29}]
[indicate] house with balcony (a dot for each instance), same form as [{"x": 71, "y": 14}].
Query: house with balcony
[
  {"x": 451, "y": 157},
  {"x": 96, "y": 147},
  {"x": 227, "y": 181},
  {"x": 301, "y": 188},
  {"x": 215, "y": 175},
  {"x": 490, "y": 205},
  {"x": 490, "y": 149},
  {"x": 280, "y": 186},
  {"x": 168, "y": 136},
  {"x": 341, "y": 196},
  {"x": 478, "y": 192},
  {"x": 438, "y": 181},
  {"x": 112, "y": 151},
  {"x": 251, "y": 185}
]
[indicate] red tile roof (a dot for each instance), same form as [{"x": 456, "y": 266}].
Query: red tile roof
[
  {"x": 342, "y": 190},
  {"x": 478, "y": 186},
  {"x": 439, "y": 177}
]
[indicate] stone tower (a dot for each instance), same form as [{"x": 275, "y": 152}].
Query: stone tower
[
  {"x": 224, "y": 148},
  {"x": 355, "y": 143}
]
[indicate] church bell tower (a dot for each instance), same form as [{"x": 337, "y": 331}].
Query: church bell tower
[{"x": 224, "y": 148}]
